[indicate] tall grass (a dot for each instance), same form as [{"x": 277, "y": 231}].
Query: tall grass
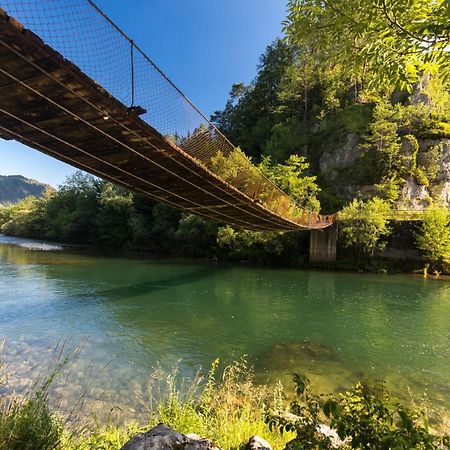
[
  {"x": 226, "y": 406},
  {"x": 28, "y": 424},
  {"x": 228, "y": 411},
  {"x": 26, "y": 421}
]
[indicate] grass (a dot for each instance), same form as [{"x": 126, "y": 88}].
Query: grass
[
  {"x": 28, "y": 424},
  {"x": 226, "y": 406},
  {"x": 228, "y": 411}
]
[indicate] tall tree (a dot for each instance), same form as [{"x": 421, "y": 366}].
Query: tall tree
[{"x": 251, "y": 112}]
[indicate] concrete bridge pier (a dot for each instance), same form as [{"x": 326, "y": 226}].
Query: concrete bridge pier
[{"x": 322, "y": 245}]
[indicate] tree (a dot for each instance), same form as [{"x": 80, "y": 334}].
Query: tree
[
  {"x": 433, "y": 237},
  {"x": 71, "y": 214},
  {"x": 196, "y": 236},
  {"x": 22, "y": 218},
  {"x": 258, "y": 246},
  {"x": 383, "y": 42},
  {"x": 364, "y": 224},
  {"x": 290, "y": 177},
  {"x": 384, "y": 140},
  {"x": 114, "y": 216},
  {"x": 251, "y": 112}
]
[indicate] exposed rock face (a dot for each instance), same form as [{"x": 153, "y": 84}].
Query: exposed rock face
[
  {"x": 336, "y": 441},
  {"x": 444, "y": 164},
  {"x": 258, "y": 443},
  {"x": 445, "y": 192},
  {"x": 162, "y": 437},
  {"x": 419, "y": 95},
  {"x": 340, "y": 158},
  {"x": 414, "y": 194}
]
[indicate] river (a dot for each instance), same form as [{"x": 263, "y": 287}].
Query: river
[{"x": 132, "y": 313}]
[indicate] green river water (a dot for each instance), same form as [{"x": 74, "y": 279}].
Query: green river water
[{"x": 132, "y": 314}]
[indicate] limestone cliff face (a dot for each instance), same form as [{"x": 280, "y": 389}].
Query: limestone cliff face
[
  {"x": 341, "y": 158},
  {"x": 417, "y": 196},
  {"x": 346, "y": 158}
]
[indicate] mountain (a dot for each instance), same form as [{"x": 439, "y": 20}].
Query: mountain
[{"x": 16, "y": 187}]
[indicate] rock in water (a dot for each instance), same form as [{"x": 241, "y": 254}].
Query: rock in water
[
  {"x": 163, "y": 437},
  {"x": 258, "y": 443}
]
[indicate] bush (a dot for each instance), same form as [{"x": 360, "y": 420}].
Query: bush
[
  {"x": 433, "y": 237},
  {"x": 363, "y": 417},
  {"x": 229, "y": 409},
  {"x": 364, "y": 224}
]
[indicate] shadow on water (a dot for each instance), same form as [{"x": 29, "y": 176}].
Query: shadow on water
[{"x": 142, "y": 289}]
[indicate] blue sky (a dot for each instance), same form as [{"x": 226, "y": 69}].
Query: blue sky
[{"x": 202, "y": 45}]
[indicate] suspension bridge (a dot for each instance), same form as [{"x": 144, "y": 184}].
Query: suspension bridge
[{"x": 75, "y": 87}]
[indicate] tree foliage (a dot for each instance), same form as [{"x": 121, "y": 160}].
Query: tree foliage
[
  {"x": 291, "y": 178},
  {"x": 251, "y": 111},
  {"x": 433, "y": 237},
  {"x": 365, "y": 224},
  {"x": 89, "y": 211},
  {"x": 379, "y": 42}
]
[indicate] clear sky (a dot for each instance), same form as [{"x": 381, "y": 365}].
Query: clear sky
[{"x": 204, "y": 46}]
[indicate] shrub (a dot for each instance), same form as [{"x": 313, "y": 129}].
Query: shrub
[
  {"x": 364, "y": 224},
  {"x": 363, "y": 417},
  {"x": 433, "y": 237}
]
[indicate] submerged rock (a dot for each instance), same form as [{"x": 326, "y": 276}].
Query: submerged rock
[
  {"x": 309, "y": 349},
  {"x": 163, "y": 437},
  {"x": 322, "y": 364}
]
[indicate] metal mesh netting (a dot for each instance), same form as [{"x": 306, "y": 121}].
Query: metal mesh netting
[{"x": 84, "y": 35}]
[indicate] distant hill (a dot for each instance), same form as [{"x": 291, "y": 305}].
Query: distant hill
[{"x": 16, "y": 187}]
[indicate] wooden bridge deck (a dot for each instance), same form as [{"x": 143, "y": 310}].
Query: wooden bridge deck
[{"x": 47, "y": 103}]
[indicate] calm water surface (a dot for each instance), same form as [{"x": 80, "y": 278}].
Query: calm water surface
[{"x": 134, "y": 313}]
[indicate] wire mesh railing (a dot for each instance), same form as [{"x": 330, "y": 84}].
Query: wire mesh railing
[{"x": 84, "y": 35}]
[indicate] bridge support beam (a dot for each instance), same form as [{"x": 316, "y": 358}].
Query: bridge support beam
[{"x": 322, "y": 245}]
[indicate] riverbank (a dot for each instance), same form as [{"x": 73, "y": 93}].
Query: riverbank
[
  {"x": 227, "y": 407},
  {"x": 389, "y": 261},
  {"x": 88, "y": 212}
]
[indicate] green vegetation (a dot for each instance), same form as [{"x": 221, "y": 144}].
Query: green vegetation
[
  {"x": 347, "y": 108},
  {"x": 290, "y": 178},
  {"x": 88, "y": 211},
  {"x": 228, "y": 409},
  {"x": 28, "y": 424},
  {"x": 364, "y": 224},
  {"x": 379, "y": 43},
  {"x": 433, "y": 238},
  {"x": 363, "y": 417}
]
